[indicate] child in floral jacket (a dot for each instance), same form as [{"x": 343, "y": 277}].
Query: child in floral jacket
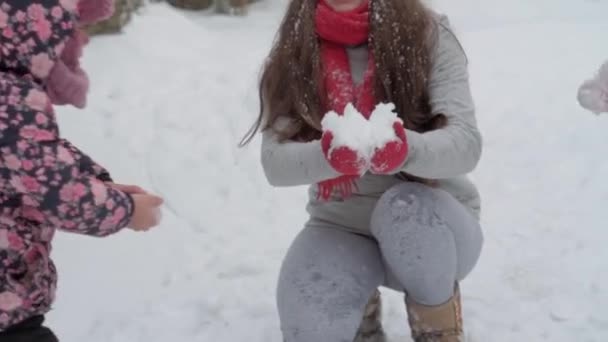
[{"x": 46, "y": 183}]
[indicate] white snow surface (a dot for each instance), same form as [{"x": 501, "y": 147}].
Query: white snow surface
[{"x": 173, "y": 95}]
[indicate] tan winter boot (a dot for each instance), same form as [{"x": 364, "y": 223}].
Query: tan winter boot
[
  {"x": 370, "y": 329},
  {"x": 441, "y": 323}
]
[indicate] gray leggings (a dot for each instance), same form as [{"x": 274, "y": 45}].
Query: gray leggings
[{"x": 423, "y": 242}]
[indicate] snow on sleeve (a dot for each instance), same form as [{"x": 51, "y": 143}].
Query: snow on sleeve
[
  {"x": 293, "y": 163},
  {"x": 455, "y": 149}
]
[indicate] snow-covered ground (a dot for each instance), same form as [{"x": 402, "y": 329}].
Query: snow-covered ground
[{"x": 173, "y": 96}]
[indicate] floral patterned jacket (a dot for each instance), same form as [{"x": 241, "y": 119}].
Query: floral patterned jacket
[{"x": 45, "y": 182}]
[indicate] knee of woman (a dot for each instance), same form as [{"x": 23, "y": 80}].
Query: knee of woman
[
  {"x": 407, "y": 201},
  {"x": 431, "y": 292}
]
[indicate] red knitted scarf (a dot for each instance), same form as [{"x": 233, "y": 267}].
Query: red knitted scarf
[{"x": 338, "y": 30}]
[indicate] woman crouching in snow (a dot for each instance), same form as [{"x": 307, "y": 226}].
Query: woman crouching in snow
[
  {"x": 593, "y": 93},
  {"x": 46, "y": 183},
  {"x": 390, "y": 204}
]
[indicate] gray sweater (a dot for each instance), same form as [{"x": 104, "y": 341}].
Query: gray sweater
[{"x": 447, "y": 154}]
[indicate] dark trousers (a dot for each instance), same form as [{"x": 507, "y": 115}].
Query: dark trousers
[{"x": 30, "y": 330}]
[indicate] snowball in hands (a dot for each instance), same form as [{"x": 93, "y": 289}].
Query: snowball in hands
[
  {"x": 344, "y": 141},
  {"x": 389, "y": 140},
  {"x": 377, "y": 144}
]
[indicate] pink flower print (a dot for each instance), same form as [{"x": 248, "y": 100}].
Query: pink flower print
[
  {"x": 27, "y": 164},
  {"x": 23, "y": 48},
  {"x": 29, "y": 201},
  {"x": 72, "y": 192},
  {"x": 7, "y": 221},
  {"x": 30, "y": 184},
  {"x": 67, "y": 25},
  {"x": 15, "y": 242},
  {"x": 106, "y": 224},
  {"x": 13, "y": 100},
  {"x": 57, "y": 12},
  {"x": 12, "y": 162},
  {"x": 37, "y": 100},
  {"x": 41, "y": 65},
  {"x": 36, "y": 12},
  {"x": 22, "y": 145},
  {"x": 4, "y": 319},
  {"x": 8, "y": 33},
  {"x": 41, "y": 119},
  {"x": 100, "y": 192},
  {"x": 44, "y": 135},
  {"x": 110, "y": 204},
  {"x": 70, "y": 5},
  {"x": 16, "y": 183},
  {"x": 9, "y": 301},
  {"x": 34, "y": 133},
  {"x": 32, "y": 213},
  {"x": 3, "y": 19},
  {"x": 112, "y": 221},
  {"x": 119, "y": 214},
  {"x": 64, "y": 155},
  {"x": 28, "y": 132},
  {"x": 43, "y": 29},
  {"x": 69, "y": 225},
  {"x": 20, "y": 16},
  {"x": 4, "y": 239},
  {"x": 63, "y": 209}
]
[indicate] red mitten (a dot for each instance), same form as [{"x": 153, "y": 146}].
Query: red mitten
[
  {"x": 342, "y": 158},
  {"x": 392, "y": 155}
]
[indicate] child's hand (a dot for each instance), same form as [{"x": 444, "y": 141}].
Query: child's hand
[
  {"x": 147, "y": 212},
  {"x": 129, "y": 189}
]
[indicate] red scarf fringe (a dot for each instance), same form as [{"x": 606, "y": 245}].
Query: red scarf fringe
[{"x": 337, "y": 31}]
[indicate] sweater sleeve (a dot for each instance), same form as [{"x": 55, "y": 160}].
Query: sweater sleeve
[
  {"x": 87, "y": 164},
  {"x": 455, "y": 149},
  {"x": 38, "y": 168},
  {"x": 293, "y": 163}
]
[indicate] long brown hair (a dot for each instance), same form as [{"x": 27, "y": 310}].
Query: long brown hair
[{"x": 403, "y": 33}]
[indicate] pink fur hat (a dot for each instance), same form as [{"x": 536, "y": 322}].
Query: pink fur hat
[
  {"x": 593, "y": 93},
  {"x": 94, "y": 11},
  {"x": 68, "y": 83}
]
